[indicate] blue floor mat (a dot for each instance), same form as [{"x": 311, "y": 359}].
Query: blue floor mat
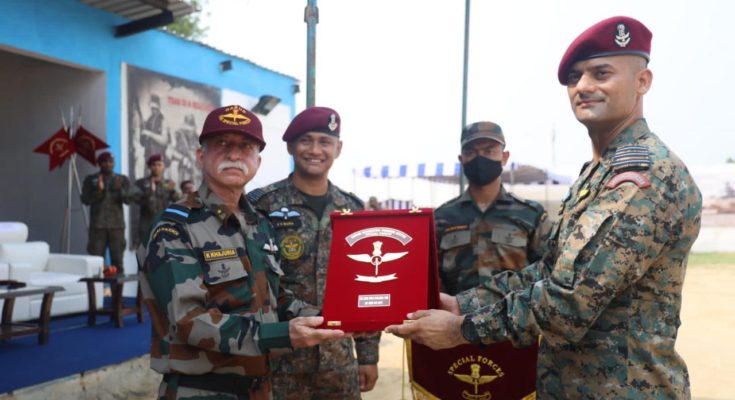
[{"x": 73, "y": 347}]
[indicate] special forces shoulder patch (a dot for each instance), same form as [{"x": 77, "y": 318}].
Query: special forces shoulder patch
[
  {"x": 635, "y": 177},
  {"x": 627, "y": 158},
  {"x": 285, "y": 218},
  {"x": 292, "y": 247}
]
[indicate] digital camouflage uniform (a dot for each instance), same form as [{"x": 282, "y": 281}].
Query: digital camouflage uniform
[
  {"x": 474, "y": 245},
  {"x": 606, "y": 295},
  {"x": 327, "y": 371},
  {"x": 211, "y": 283},
  {"x": 151, "y": 202},
  {"x": 107, "y": 224}
]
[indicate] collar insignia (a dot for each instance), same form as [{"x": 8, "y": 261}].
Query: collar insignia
[{"x": 622, "y": 38}]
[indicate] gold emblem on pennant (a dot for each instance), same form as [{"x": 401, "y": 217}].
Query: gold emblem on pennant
[
  {"x": 234, "y": 117},
  {"x": 475, "y": 377},
  {"x": 622, "y": 38}
]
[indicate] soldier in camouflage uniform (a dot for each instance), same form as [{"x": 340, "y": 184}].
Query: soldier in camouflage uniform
[
  {"x": 486, "y": 230},
  {"x": 299, "y": 208},
  {"x": 211, "y": 274},
  {"x": 606, "y": 295},
  {"x": 153, "y": 194},
  {"x": 105, "y": 192}
]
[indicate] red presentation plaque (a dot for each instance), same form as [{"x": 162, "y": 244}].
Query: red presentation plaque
[
  {"x": 382, "y": 266},
  {"x": 473, "y": 372}
]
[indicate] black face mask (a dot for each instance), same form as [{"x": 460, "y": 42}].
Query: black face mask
[{"x": 481, "y": 171}]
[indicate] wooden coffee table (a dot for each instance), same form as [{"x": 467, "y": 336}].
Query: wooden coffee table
[
  {"x": 9, "y": 329},
  {"x": 118, "y": 310}
]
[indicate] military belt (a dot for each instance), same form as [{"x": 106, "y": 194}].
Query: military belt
[{"x": 221, "y": 383}]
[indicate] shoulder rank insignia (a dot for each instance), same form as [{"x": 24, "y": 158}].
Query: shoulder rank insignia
[
  {"x": 255, "y": 195},
  {"x": 638, "y": 178},
  {"x": 631, "y": 158},
  {"x": 176, "y": 213}
]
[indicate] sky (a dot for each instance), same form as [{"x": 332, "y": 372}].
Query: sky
[{"x": 393, "y": 70}]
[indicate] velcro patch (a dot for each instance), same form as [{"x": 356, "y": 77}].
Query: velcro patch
[
  {"x": 639, "y": 179},
  {"x": 220, "y": 254}
]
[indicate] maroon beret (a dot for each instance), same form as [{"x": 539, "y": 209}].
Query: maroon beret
[
  {"x": 105, "y": 155},
  {"x": 313, "y": 119},
  {"x": 233, "y": 119},
  {"x": 611, "y": 37},
  {"x": 153, "y": 158}
]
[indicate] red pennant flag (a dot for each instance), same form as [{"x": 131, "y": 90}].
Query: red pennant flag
[
  {"x": 59, "y": 147},
  {"x": 87, "y": 144}
]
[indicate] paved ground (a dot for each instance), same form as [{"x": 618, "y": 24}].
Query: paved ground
[{"x": 705, "y": 339}]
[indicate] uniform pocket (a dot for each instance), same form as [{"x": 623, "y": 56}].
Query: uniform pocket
[{"x": 225, "y": 270}]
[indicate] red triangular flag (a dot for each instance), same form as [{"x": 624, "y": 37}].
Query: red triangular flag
[
  {"x": 87, "y": 144},
  {"x": 59, "y": 147}
]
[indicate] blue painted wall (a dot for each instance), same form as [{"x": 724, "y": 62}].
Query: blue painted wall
[{"x": 71, "y": 31}]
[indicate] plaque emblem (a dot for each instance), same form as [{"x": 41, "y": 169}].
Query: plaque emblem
[{"x": 377, "y": 257}]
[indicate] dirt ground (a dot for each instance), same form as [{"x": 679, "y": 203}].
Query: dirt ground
[{"x": 705, "y": 340}]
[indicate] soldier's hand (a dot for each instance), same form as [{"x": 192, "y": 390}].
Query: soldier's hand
[
  {"x": 171, "y": 185},
  {"x": 153, "y": 185},
  {"x": 437, "y": 329},
  {"x": 303, "y": 332},
  {"x": 449, "y": 303},
  {"x": 117, "y": 183},
  {"x": 100, "y": 183},
  {"x": 368, "y": 376}
]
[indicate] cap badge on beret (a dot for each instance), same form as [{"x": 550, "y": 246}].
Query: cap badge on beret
[
  {"x": 234, "y": 117},
  {"x": 622, "y": 38},
  {"x": 332, "y": 122}
]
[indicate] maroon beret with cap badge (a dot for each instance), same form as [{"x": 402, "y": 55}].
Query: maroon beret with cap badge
[
  {"x": 233, "y": 119},
  {"x": 611, "y": 37},
  {"x": 313, "y": 119},
  {"x": 153, "y": 158}
]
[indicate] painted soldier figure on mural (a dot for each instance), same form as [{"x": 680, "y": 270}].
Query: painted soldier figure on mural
[
  {"x": 606, "y": 294},
  {"x": 299, "y": 208}
]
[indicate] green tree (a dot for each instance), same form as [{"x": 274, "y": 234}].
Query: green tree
[
  {"x": 190, "y": 26},
  {"x": 730, "y": 160}
]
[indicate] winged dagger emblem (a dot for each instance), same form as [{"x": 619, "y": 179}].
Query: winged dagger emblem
[
  {"x": 475, "y": 379},
  {"x": 377, "y": 258}
]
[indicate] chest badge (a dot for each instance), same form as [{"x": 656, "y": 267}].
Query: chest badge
[
  {"x": 583, "y": 193},
  {"x": 284, "y": 213},
  {"x": 292, "y": 247}
]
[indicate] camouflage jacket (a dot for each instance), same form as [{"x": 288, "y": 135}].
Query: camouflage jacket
[
  {"x": 152, "y": 202},
  {"x": 305, "y": 242},
  {"x": 606, "y": 295},
  {"x": 106, "y": 206},
  {"x": 211, "y": 283},
  {"x": 474, "y": 245}
]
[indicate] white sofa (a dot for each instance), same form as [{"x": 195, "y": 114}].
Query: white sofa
[{"x": 34, "y": 264}]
